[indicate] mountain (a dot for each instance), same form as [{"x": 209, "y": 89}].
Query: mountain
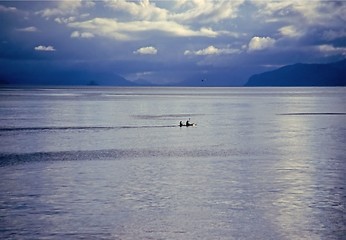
[
  {"x": 68, "y": 77},
  {"x": 83, "y": 77},
  {"x": 331, "y": 74}
]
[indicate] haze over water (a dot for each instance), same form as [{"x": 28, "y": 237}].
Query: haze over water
[{"x": 112, "y": 163}]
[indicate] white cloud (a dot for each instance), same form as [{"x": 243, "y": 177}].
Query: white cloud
[
  {"x": 134, "y": 30},
  {"x": 284, "y": 9},
  {"x": 86, "y": 35},
  {"x": 301, "y": 13},
  {"x": 28, "y": 29},
  {"x": 145, "y": 16},
  {"x": 270, "y": 7},
  {"x": 84, "y": 15},
  {"x": 260, "y": 43},
  {"x": 7, "y": 9},
  {"x": 146, "y": 51},
  {"x": 206, "y": 11},
  {"x": 211, "y": 50},
  {"x": 203, "y": 11},
  {"x": 140, "y": 10},
  {"x": 63, "y": 8},
  {"x": 290, "y": 31},
  {"x": 45, "y": 48},
  {"x": 206, "y": 51},
  {"x": 64, "y": 20},
  {"x": 77, "y": 34},
  {"x": 329, "y": 50}
]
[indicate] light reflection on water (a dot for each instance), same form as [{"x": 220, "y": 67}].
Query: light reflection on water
[{"x": 245, "y": 171}]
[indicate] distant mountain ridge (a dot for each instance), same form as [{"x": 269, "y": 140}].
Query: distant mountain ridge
[
  {"x": 331, "y": 74},
  {"x": 68, "y": 78}
]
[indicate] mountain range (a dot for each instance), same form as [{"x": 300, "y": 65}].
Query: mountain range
[
  {"x": 69, "y": 78},
  {"x": 331, "y": 74}
]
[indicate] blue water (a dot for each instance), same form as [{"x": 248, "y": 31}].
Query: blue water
[{"x": 112, "y": 163}]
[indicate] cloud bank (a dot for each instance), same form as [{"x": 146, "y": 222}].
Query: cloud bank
[{"x": 136, "y": 30}]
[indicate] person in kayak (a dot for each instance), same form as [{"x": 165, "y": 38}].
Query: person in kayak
[{"x": 181, "y": 124}]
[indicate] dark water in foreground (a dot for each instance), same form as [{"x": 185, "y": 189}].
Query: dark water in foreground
[{"x": 111, "y": 163}]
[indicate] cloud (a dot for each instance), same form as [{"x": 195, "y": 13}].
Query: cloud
[
  {"x": 133, "y": 30},
  {"x": 302, "y": 13},
  {"x": 77, "y": 34},
  {"x": 63, "y": 8},
  {"x": 146, "y": 51},
  {"x": 86, "y": 35},
  {"x": 329, "y": 50},
  {"x": 45, "y": 48},
  {"x": 89, "y": 3},
  {"x": 211, "y": 50},
  {"x": 7, "y": 9},
  {"x": 275, "y": 11},
  {"x": 290, "y": 31},
  {"x": 145, "y": 16},
  {"x": 333, "y": 34},
  {"x": 65, "y": 20},
  {"x": 202, "y": 11},
  {"x": 141, "y": 10},
  {"x": 27, "y": 29},
  {"x": 206, "y": 11},
  {"x": 260, "y": 43}
]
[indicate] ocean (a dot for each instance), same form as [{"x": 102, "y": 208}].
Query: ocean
[{"x": 113, "y": 163}]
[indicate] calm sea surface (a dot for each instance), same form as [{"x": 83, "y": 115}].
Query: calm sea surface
[{"x": 112, "y": 163}]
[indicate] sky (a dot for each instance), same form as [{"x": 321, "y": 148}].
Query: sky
[{"x": 164, "y": 42}]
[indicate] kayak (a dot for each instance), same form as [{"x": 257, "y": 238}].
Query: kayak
[{"x": 188, "y": 125}]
